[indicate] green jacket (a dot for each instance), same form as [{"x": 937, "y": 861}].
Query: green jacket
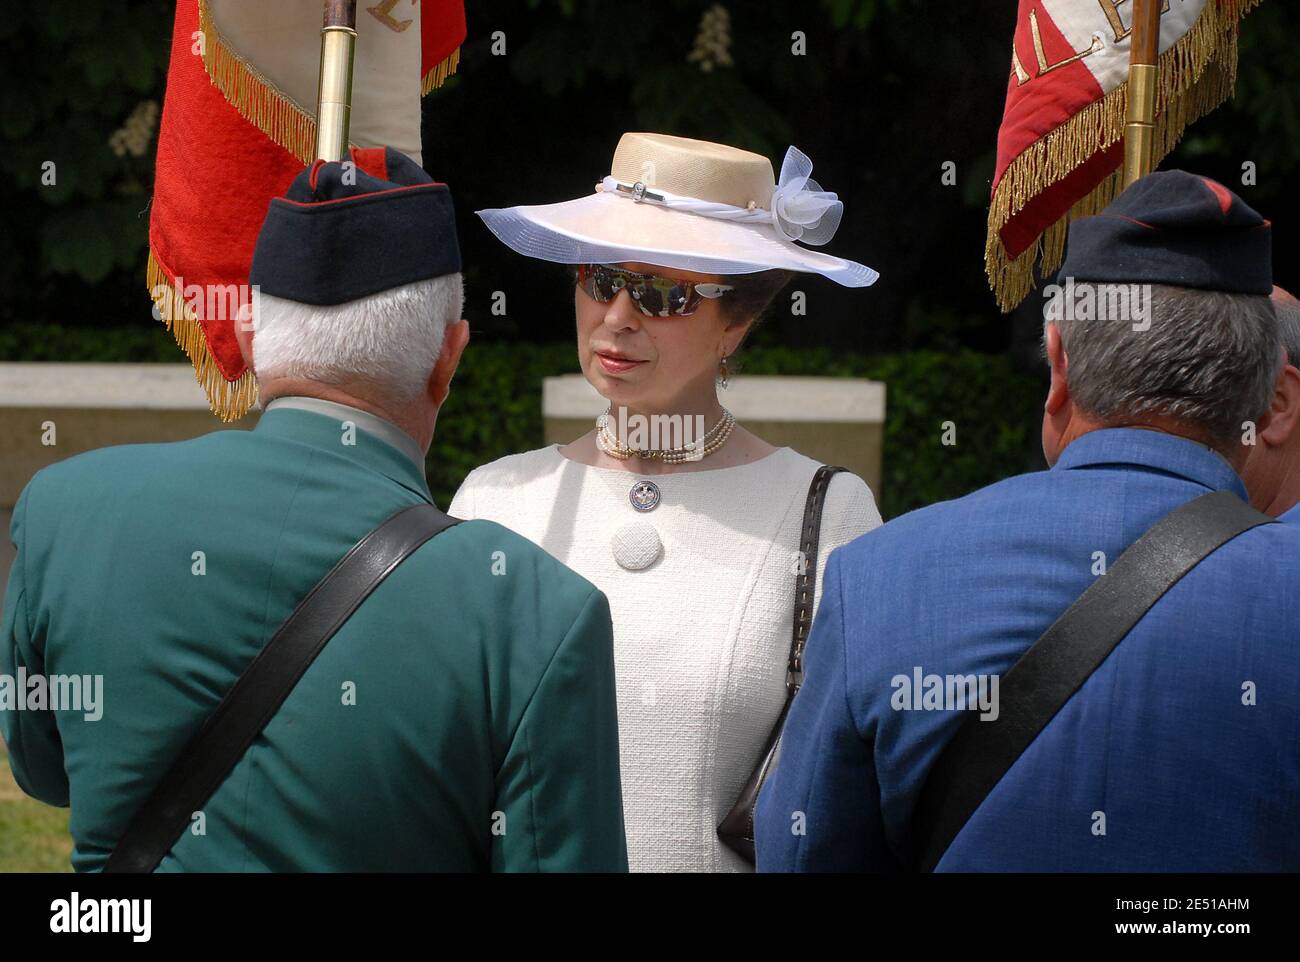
[{"x": 463, "y": 719}]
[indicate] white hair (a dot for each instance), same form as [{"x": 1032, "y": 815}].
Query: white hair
[{"x": 391, "y": 339}]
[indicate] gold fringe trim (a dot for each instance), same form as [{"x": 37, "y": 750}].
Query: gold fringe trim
[
  {"x": 1197, "y": 74},
  {"x": 436, "y": 77},
  {"x": 256, "y": 98},
  {"x": 229, "y": 400}
]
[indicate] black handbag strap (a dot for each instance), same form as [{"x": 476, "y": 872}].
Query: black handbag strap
[
  {"x": 259, "y": 692},
  {"x": 736, "y": 830},
  {"x": 805, "y": 582},
  {"x": 1056, "y": 666}
]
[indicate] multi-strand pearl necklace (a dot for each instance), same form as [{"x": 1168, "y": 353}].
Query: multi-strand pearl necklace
[{"x": 608, "y": 442}]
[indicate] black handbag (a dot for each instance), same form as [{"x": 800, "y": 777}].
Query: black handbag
[{"x": 736, "y": 831}]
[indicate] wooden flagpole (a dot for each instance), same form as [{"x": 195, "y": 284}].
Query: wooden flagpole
[
  {"x": 334, "y": 95},
  {"x": 1143, "y": 80}
]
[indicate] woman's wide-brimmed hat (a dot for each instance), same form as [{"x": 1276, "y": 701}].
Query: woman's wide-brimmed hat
[{"x": 692, "y": 205}]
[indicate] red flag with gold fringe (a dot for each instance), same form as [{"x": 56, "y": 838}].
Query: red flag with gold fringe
[
  {"x": 1060, "y": 147},
  {"x": 238, "y": 125}
]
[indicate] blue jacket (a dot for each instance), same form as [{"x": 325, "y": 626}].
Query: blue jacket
[{"x": 1181, "y": 752}]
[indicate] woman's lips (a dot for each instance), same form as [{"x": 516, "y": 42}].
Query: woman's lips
[{"x": 616, "y": 365}]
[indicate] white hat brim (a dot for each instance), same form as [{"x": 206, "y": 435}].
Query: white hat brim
[{"x": 604, "y": 229}]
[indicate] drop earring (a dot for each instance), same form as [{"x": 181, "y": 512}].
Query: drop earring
[{"x": 723, "y": 374}]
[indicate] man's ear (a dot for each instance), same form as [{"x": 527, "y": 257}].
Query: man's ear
[
  {"x": 1058, "y": 395},
  {"x": 1283, "y": 418},
  {"x": 453, "y": 345}
]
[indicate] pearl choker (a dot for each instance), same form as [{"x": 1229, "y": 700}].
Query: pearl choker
[{"x": 608, "y": 442}]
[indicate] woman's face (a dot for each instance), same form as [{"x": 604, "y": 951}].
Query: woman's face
[{"x": 652, "y": 363}]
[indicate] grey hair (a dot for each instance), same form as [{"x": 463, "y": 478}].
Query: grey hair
[
  {"x": 1288, "y": 325},
  {"x": 1208, "y": 359},
  {"x": 390, "y": 340}
]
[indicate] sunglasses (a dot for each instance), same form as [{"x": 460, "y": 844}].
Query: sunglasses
[{"x": 653, "y": 294}]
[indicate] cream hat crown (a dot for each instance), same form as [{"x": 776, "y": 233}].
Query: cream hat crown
[
  {"x": 695, "y": 168},
  {"x": 692, "y": 205}
]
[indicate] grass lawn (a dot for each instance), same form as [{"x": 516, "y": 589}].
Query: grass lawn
[{"x": 33, "y": 836}]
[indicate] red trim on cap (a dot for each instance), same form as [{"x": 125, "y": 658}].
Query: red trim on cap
[
  {"x": 315, "y": 169},
  {"x": 1222, "y": 193},
  {"x": 344, "y": 200},
  {"x": 373, "y": 160},
  {"x": 1113, "y": 216}
]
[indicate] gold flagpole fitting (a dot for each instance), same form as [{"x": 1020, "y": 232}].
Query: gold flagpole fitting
[
  {"x": 1143, "y": 82},
  {"x": 334, "y": 95}
]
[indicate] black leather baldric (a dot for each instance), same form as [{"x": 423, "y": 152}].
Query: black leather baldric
[
  {"x": 259, "y": 692},
  {"x": 1056, "y": 666},
  {"x": 736, "y": 830}
]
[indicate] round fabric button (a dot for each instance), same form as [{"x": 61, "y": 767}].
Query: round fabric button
[{"x": 636, "y": 546}]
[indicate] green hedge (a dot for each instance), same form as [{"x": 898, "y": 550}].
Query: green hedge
[
  {"x": 495, "y": 404},
  {"x": 995, "y": 410},
  {"x": 53, "y": 342}
]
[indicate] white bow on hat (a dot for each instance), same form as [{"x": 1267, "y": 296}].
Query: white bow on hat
[{"x": 801, "y": 210}]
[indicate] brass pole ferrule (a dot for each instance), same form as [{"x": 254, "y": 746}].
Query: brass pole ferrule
[
  {"x": 334, "y": 98},
  {"x": 1140, "y": 129}
]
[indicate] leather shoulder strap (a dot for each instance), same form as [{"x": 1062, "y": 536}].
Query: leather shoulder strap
[
  {"x": 1057, "y": 664},
  {"x": 736, "y": 830},
  {"x": 260, "y": 691},
  {"x": 805, "y": 582}
]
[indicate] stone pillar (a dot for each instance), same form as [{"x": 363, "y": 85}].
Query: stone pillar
[{"x": 87, "y": 406}]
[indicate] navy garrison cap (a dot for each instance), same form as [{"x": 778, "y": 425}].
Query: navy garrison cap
[
  {"x": 1174, "y": 228},
  {"x": 344, "y": 230}
]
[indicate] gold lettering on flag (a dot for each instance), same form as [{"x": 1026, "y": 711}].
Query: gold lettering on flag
[
  {"x": 1111, "y": 9},
  {"x": 1044, "y": 68},
  {"x": 1022, "y": 75},
  {"x": 383, "y": 12}
]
